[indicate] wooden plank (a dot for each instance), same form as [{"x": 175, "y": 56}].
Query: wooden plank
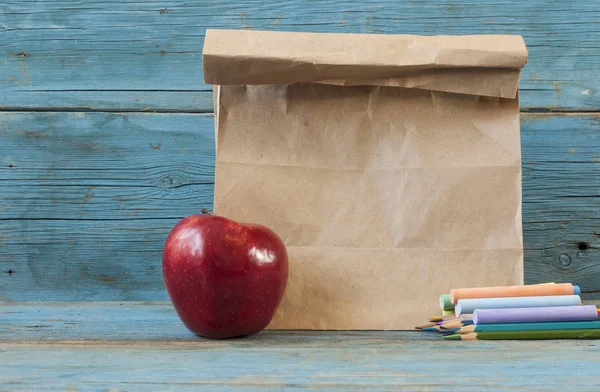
[
  {"x": 340, "y": 362},
  {"x": 48, "y": 322},
  {"x": 86, "y": 200},
  {"x": 561, "y": 195},
  {"x": 82, "y": 260},
  {"x": 90, "y": 198},
  {"x": 135, "y": 346},
  {"x": 107, "y": 55},
  {"x": 108, "y": 101},
  {"x": 105, "y": 165}
]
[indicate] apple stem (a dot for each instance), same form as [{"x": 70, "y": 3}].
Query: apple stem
[{"x": 207, "y": 212}]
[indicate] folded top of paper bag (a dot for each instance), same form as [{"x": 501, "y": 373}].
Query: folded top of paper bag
[{"x": 488, "y": 65}]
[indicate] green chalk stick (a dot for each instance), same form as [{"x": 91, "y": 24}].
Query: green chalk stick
[{"x": 445, "y": 302}]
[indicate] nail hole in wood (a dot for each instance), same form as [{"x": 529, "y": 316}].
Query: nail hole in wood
[{"x": 583, "y": 246}]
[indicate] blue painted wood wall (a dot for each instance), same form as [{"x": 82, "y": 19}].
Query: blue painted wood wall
[{"x": 106, "y": 131}]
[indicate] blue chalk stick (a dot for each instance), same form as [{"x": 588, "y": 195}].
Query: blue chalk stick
[{"x": 467, "y": 306}]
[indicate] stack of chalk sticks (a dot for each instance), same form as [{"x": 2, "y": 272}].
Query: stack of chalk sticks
[{"x": 540, "y": 311}]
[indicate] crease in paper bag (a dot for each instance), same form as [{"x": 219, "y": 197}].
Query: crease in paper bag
[{"x": 478, "y": 65}]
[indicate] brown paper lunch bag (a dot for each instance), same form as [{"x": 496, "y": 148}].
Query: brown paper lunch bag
[{"x": 390, "y": 165}]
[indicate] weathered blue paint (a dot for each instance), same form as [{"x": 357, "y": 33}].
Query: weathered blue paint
[
  {"x": 109, "y": 101},
  {"x": 112, "y": 54},
  {"x": 90, "y": 198},
  {"x": 91, "y": 321},
  {"x": 133, "y": 346},
  {"x": 561, "y": 199},
  {"x": 87, "y": 199}
]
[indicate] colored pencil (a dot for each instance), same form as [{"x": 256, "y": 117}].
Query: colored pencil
[
  {"x": 447, "y": 321},
  {"x": 533, "y": 315},
  {"x": 451, "y": 331},
  {"x": 443, "y": 317},
  {"x": 458, "y": 320},
  {"x": 451, "y": 324},
  {"x": 462, "y": 317},
  {"x": 529, "y": 335},
  {"x": 425, "y": 325},
  {"x": 468, "y": 306},
  {"x": 514, "y": 291},
  {"x": 456, "y": 324},
  {"x": 441, "y": 330},
  {"x": 529, "y": 326}
]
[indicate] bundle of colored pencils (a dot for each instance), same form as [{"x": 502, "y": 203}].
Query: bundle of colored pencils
[{"x": 541, "y": 311}]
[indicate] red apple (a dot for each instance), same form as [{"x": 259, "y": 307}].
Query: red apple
[{"x": 225, "y": 279}]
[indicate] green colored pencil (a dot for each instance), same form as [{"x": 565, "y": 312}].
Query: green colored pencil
[
  {"x": 553, "y": 326},
  {"x": 529, "y": 335}
]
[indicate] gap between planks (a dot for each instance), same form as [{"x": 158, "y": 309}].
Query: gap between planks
[
  {"x": 92, "y": 110},
  {"x": 526, "y": 111}
]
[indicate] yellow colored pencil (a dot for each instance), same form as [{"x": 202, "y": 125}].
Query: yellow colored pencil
[{"x": 426, "y": 325}]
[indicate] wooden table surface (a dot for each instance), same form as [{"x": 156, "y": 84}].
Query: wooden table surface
[
  {"x": 107, "y": 140},
  {"x": 143, "y": 346}
]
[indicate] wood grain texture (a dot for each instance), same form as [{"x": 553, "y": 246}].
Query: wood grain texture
[
  {"x": 143, "y": 346},
  {"x": 561, "y": 200},
  {"x": 87, "y": 200},
  {"x": 69, "y": 165},
  {"x": 143, "y": 55},
  {"x": 52, "y": 322}
]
